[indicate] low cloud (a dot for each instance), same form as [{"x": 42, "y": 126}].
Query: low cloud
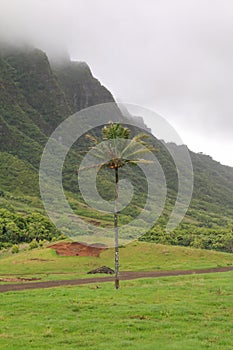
[{"x": 174, "y": 56}]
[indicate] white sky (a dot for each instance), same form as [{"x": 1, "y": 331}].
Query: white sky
[{"x": 172, "y": 56}]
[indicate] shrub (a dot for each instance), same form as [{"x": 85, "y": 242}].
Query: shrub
[
  {"x": 15, "y": 249},
  {"x": 34, "y": 244}
]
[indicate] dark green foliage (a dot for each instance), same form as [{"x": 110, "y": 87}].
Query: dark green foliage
[
  {"x": 16, "y": 228},
  {"x": 219, "y": 236}
]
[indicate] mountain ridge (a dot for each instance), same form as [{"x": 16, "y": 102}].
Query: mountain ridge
[{"x": 36, "y": 95}]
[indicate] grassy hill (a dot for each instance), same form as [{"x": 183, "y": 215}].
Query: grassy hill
[{"x": 136, "y": 256}]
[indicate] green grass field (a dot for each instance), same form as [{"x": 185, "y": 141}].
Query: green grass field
[
  {"x": 168, "y": 313},
  {"x": 182, "y": 313}
]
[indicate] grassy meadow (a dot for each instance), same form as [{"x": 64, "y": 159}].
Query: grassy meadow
[{"x": 181, "y": 313}]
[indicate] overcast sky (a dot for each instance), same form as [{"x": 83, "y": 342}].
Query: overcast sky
[{"x": 172, "y": 56}]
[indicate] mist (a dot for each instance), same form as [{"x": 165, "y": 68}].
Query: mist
[{"x": 172, "y": 56}]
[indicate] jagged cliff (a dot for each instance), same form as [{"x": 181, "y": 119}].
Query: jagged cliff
[
  {"x": 81, "y": 88},
  {"x": 35, "y": 97},
  {"x": 49, "y": 93}
]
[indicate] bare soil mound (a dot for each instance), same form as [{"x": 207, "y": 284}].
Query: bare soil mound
[
  {"x": 102, "y": 269},
  {"x": 77, "y": 249}
]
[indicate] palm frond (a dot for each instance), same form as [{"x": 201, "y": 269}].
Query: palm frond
[
  {"x": 140, "y": 136},
  {"x": 144, "y": 161},
  {"x": 135, "y": 153},
  {"x": 92, "y": 138}
]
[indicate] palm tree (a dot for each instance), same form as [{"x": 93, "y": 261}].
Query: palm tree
[
  {"x": 112, "y": 132},
  {"x": 119, "y": 150}
]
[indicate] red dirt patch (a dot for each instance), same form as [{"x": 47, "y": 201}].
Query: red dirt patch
[{"x": 77, "y": 248}]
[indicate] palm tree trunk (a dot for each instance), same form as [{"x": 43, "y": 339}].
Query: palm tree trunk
[{"x": 117, "y": 285}]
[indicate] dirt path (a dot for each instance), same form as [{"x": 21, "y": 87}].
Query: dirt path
[{"x": 123, "y": 276}]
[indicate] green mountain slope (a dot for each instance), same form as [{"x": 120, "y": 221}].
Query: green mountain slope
[
  {"x": 213, "y": 182},
  {"x": 35, "y": 96},
  {"x": 17, "y": 176}
]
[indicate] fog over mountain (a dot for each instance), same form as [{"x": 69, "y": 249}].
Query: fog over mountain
[{"x": 173, "y": 56}]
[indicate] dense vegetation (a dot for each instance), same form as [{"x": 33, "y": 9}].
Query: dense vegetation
[
  {"x": 16, "y": 228},
  {"x": 35, "y": 97}
]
